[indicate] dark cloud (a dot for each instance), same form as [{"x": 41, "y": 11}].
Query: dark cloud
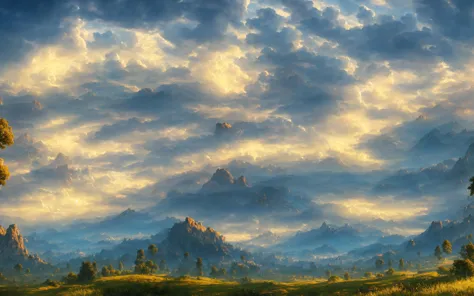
[
  {"x": 302, "y": 83},
  {"x": 25, "y": 24},
  {"x": 388, "y": 39},
  {"x": 452, "y": 18},
  {"x": 210, "y": 18},
  {"x": 268, "y": 23}
]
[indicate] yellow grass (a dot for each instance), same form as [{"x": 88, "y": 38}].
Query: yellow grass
[{"x": 398, "y": 284}]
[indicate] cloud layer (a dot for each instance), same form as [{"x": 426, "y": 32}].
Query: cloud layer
[{"x": 132, "y": 92}]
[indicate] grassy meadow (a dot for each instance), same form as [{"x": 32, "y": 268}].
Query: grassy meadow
[{"x": 397, "y": 284}]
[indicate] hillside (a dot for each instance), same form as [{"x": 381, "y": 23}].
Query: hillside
[{"x": 140, "y": 285}]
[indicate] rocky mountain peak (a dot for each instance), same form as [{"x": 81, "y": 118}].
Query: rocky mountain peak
[
  {"x": 192, "y": 236},
  {"x": 324, "y": 226},
  {"x": 223, "y": 177},
  {"x": 435, "y": 226},
  {"x": 242, "y": 181},
  {"x": 12, "y": 243}
]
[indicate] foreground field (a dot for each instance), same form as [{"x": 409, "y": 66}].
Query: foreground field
[{"x": 399, "y": 284}]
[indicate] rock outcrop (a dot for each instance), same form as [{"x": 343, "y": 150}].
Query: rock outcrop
[
  {"x": 193, "y": 237},
  {"x": 223, "y": 179},
  {"x": 13, "y": 249}
]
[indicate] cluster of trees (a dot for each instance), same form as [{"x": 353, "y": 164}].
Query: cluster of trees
[
  {"x": 446, "y": 248},
  {"x": 464, "y": 267},
  {"x": 144, "y": 266}
]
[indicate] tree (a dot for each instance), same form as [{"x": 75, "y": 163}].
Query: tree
[
  {"x": 186, "y": 255},
  {"x": 368, "y": 274},
  {"x": 152, "y": 249},
  {"x": 467, "y": 251},
  {"x": 6, "y": 139},
  {"x": 390, "y": 271},
  {"x": 105, "y": 271},
  {"x": 147, "y": 267},
  {"x": 438, "y": 253},
  {"x": 242, "y": 258},
  {"x": 18, "y": 267},
  {"x": 140, "y": 257},
  {"x": 163, "y": 265},
  {"x": 463, "y": 268},
  {"x": 120, "y": 266},
  {"x": 419, "y": 254},
  {"x": 71, "y": 278},
  {"x": 471, "y": 187},
  {"x": 347, "y": 276},
  {"x": 379, "y": 263},
  {"x": 87, "y": 272},
  {"x": 334, "y": 279},
  {"x": 222, "y": 272},
  {"x": 199, "y": 266},
  {"x": 27, "y": 271},
  {"x": 328, "y": 273},
  {"x": 390, "y": 263},
  {"x": 354, "y": 268},
  {"x": 401, "y": 264},
  {"x": 469, "y": 237},
  {"x": 447, "y": 247},
  {"x": 214, "y": 272}
]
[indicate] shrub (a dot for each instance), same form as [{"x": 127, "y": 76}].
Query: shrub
[
  {"x": 463, "y": 268},
  {"x": 390, "y": 271},
  {"x": 379, "y": 275},
  {"x": 368, "y": 274},
  {"x": 347, "y": 276},
  {"x": 443, "y": 270},
  {"x": 52, "y": 283},
  {"x": 334, "y": 279},
  {"x": 245, "y": 280},
  {"x": 71, "y": 278}
]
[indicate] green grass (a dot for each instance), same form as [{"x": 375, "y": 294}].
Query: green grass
[{"x": 398, "y": 284}]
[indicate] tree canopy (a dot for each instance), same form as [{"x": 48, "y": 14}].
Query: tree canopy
[{"x": 6, "y": 139}]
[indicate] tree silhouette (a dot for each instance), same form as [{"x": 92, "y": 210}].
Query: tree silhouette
[
  {"x": 438, "y": 253},
  {"x": 467, "y": 251},
  {"x": 199, "y": 266},
  {"x": 18, "y": 267},
  {"x": 379, "y": 263},
  {"x": 447, "y": 247},
  {"x": 140, "y": 257},
  {"x": 401, "y": 264},
  {"x": 87, "y": 272},
  {"x": 471, "y": 187},
  {"x": 153, "y": 249}
]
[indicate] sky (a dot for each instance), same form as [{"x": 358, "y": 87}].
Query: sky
[{"x": 128, "y": 93}]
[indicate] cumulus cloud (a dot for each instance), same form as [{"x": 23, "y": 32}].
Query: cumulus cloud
[{"x": 132, "y": 91}]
